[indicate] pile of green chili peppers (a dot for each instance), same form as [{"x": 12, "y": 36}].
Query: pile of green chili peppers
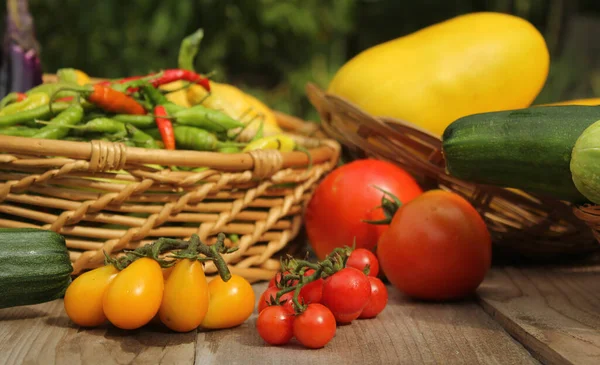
[{"x": 52, "y": 111}]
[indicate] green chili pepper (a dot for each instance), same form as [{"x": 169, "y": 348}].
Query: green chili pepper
[
  {"x": 155, "y": 96},
  {"x": 10, "y": 98},
  {"x": 58, "y": 126},
  {"x": 140, "y": 138},
  {"x": 173, "y": 108},
  {"x": 67, "y": 76},
  {"x": 188, "y": 49},
  {"x": 50, "y": 88},
  {"x": 140, "y": 121},
  {"x": 31, "y": 102},
  {"x": 18, "y": 131},
  {"x": 206, "y": 118},
  {"x": 41, "y": 112},
  {"x": 230, "y": 149},
  {"x": 154, "y": 132},
  {"x": 193, "y": 138},
  {"x": 99, "y": 125}
]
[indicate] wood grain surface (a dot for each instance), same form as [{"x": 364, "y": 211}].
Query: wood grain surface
[
  {"x": 552, "y": 310},
  {"x": 405, "y": 333}
]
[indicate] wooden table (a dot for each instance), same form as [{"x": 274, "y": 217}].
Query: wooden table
[{"x": 521, "y": 315}]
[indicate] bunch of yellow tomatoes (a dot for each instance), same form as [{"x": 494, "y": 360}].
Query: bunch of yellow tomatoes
[{"x": 180, "y": 296}]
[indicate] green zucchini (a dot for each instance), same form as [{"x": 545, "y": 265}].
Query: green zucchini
[
  {"x": 34, "y": 266},
  {"x": 527, "y": 149}
]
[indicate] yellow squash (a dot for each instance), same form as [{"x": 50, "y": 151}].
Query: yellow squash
[{"x": 469, "y": 64}]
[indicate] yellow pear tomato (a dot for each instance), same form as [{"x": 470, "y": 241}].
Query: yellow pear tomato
[
  {"x": 133, "y": 298},
  {"x": 231, "y": 302},
  {"x": 83, "y": 297},
  {"x": 185, "y": 297}
]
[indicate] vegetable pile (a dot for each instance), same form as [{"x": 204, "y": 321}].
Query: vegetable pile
[
  {"x": 172, "y": 109},
  {"x": 305, "y": 300},
  {"x": 146, "y": 285}
]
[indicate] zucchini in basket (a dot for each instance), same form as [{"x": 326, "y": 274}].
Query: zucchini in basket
[
  {"x": 527, "y": 149},
  {"x": 34, "y": 266}
]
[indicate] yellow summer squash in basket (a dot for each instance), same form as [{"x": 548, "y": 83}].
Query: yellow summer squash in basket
[
  {"x": 469, "y": 64},
  {"x": 177, "y": 94}
]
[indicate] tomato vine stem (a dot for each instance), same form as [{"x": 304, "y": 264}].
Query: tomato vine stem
[
  {"x": 296, "y": 279},
  {"x": 193, "y": 249}
]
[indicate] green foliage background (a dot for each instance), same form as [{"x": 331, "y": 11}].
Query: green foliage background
[{"x": 273, "y": 47}]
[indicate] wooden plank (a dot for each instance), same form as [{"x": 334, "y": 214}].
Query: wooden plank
[
  {"x": 552, "y": 310},
  {"x": 43, "y": 334},
  {"x": 406, "y": 332}
]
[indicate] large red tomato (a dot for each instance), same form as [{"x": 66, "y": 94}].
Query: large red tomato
[
  {"x": 437, "y": 247},
  {"x": 347, "y": 196}
]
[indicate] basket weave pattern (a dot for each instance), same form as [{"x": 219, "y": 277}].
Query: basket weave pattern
[
  {"x": 520, "y": 222},
  {"x": 106, "y": 197}
]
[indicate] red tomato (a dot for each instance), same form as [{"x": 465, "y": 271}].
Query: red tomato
[
  {"x": 314, "y": 327},
  {"x": 265, "y": 298},
  {"x": 275, "y": 325},
  {"x": 437, "y": 247},
  {"x": 271, "y": 292},
  {"x": 313, "y": 291},
  {"x": 378, "y": 299},
  {"x": 360, "y": 258},
  {"x": 346, "y": 196},
  {"x": 346, "y": 293},
  {"x": 277, "y": 278}
]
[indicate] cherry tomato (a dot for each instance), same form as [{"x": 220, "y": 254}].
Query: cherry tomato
[
  {"x": 265, "y": 299},
  {"x": 275, "y": 325},
  {"x": 277, "y": 278},
  {"x": 83, "y": 297},
  {"x": 360, "y": 258},
  {"x": 133, "y": 297},
  {"x": 313, "y": 291},
  {"x": 314, "y": 327},
  {"x": 347, "y": 196},
  {"x": 346, "y": 293},
  {"x": 437, "y": 247},
  {"x": 231, "y": 303},
  {"x": 185, "y": 298},
  {"x": 377, "y": 301}
]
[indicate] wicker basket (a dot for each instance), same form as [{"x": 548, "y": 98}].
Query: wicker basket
[
  {"x": 521, "y": 223},
  {"x": 103, "y": 196}
]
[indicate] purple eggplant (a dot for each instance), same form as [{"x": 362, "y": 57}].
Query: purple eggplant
[{"x": 21, "y": 68}]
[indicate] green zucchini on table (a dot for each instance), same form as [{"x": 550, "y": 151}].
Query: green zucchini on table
[
  {"x": 527, "y": 149},
  {"x": 34, "y": 266}
]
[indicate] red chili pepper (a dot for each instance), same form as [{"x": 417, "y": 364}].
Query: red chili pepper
[
  {"x": 21, "y": 96},
  {"x": 165, "y": 127},
  {"x": 114, "y": 101},
  {"x": 179, "y": 74}
]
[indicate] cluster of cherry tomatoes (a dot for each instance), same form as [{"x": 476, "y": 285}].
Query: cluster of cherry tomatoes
[
  {"x": 351, "y": 292},
  {"x": 178, "y": 296}
]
